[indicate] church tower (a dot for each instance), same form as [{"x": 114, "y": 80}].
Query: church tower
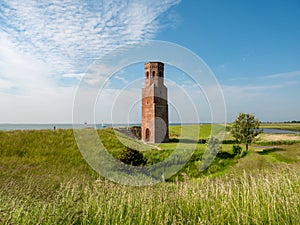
[{"x": 155, "y": 121}]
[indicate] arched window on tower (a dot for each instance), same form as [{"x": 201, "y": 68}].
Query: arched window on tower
[
  {"x": 147, "y": 74},
  {"x": 153, "y": 73},
  {"x": 160, "y": 74}
]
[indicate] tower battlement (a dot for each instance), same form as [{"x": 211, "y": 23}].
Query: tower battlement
[{"x": 154, "y": 73}]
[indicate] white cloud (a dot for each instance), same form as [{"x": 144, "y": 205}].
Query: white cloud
[
  {"x": 42, "y": 42},
  {"x": 170, "y": 83},
  {"x": 249, "y": 89},
  {"x": 20, "y": 71},
  {"x": 6, "y": 84},
  {"x": 72, "y": 33},
  {"x": 50, "y": 105},
  {"x": 121, "y": 79},
  {"x": 268, "y": 102},
  {"x": 77, "y": 76}
]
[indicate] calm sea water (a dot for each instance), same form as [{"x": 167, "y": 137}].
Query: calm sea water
[
  {"x": 100, "y": 126},
  {"x": 57, "y": 126},
  {"x": 278, "y": 131}
]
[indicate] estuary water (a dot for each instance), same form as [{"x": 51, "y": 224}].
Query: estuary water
[
  {"x": 58, "y": 126},
  {"x": 279, "y": 131},
  {"x": 101, "y": 126},
  {"x": 47, "y": 126}
]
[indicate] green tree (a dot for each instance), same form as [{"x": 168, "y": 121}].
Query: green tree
[{"x": 245, "y": 128}]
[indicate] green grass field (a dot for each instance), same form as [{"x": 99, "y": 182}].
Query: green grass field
[{"x": 45, "y": 180}]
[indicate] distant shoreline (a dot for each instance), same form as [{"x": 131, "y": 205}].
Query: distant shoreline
[
  {"x": 32, "y": 126},
  {"x": 50, "y": 126}
]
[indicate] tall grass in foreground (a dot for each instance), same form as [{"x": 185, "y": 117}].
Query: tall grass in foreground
[{"x": 270, "y": 197}]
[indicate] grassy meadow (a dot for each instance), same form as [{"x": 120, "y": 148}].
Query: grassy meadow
[{"x": 45, "y": 180}]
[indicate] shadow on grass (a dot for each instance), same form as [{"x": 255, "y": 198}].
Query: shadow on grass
[
  {"x": 229, "y": 142},
  {"x": 182, "y": 140},
  {"x": 270, "y": 150},
  {"x": 225, "y": 155},
  {"x": 200, "y": 141},
  {"x": 173, "y": 140}
]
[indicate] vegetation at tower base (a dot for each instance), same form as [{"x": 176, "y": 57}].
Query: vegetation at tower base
[
  {"x": 245, "y": 128},
  {"x": 45, "y": 180},
  {"x": 136, "y": 131}
]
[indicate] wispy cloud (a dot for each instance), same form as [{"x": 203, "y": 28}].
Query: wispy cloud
[
  {"x": 284, "y": 75},
  {"x": 248, "y": 91},
  {"x": 258, "y": 87},
  {"x": 77, "y": 76},
  {"x": 47, "y": 45},
  {"x": 70, "y": 34},
  {"x": 121, "y": 79}
]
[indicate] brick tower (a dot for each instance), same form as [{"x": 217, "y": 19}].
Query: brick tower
[{"x": 155, "y": 122}]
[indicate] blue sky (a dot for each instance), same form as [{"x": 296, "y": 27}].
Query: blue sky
[{"x": 46, "y": 47}]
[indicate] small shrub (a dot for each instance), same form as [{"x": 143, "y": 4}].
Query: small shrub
[
  {"x": 237, "y": 150},
  {"x": 132, "y": 157},
  {"x": 137, "y": 131},
  {"x": 224, "y": 155},
  {"x": 202, "y": 141},
  {"x": 243, "y": 153}
]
